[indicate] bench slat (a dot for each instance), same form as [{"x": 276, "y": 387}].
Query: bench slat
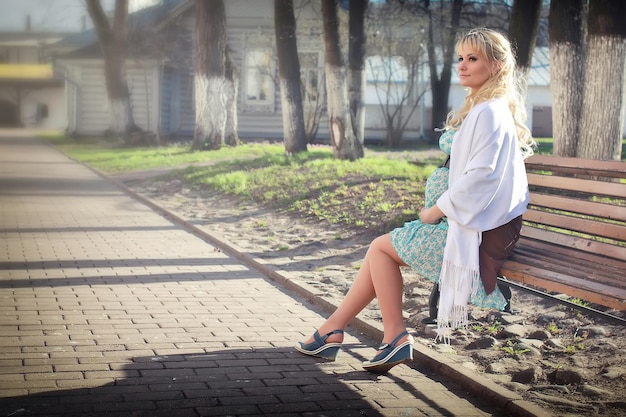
[
  {"x": 579, "y": 206},
  {"x": 575, "y": 242},
  {"x": 593, "y": 292},
  {"x": 581, "y": 282},
  {"x": 578, "y": 224},
  {"x": 569, "y": 266},
  {"x": 565, "y": 165},
  {"x": 612, "y": 189},
  {"x": 608, "y": 268}
]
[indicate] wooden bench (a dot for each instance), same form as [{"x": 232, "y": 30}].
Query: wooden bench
[{"x": 574, "y": 233}]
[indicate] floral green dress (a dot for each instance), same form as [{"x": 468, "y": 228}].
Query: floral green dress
[{"x": 421, "y": 245}]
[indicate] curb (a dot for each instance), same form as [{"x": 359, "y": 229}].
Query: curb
[{"x": 511, "y": 403}]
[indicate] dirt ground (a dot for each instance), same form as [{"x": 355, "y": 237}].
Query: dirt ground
[{"x": 570, "y": 363}]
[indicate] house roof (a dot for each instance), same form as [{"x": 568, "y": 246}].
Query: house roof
[
  {"x": 85, "y": 44},
  {"x": 76, "y": 41},
  {"x": 179, "y": 8}
]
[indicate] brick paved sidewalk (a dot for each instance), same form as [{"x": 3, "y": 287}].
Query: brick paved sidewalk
[{"x": 109, "y": 308}]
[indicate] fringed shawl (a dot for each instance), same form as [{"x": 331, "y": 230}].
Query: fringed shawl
[{"x": 487, "y": 188}]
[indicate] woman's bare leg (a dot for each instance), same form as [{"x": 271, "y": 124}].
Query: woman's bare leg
[
  {"x": 379, "y": 277},
  {"x": 389, "y": 286}
]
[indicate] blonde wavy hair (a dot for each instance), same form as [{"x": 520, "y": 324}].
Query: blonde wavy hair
[{"x": 504, "y": 83}]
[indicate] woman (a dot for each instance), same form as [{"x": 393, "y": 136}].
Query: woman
[{"x": 472, "y": 213}]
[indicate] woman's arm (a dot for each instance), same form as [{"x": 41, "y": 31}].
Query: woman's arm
[{"x": 431, "y": 215}]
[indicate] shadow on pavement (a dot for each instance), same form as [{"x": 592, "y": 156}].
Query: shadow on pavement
[
  {"x": 235, "y": 382},
  {"x": 226, "y": 382}
]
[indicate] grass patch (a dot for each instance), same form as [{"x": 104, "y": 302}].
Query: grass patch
[
  {"x": 544, "y": 146},
  {"x": 112, "y": 158},
  {"x": 512, "y": 349},
  {"x": 374, "y": 194}
]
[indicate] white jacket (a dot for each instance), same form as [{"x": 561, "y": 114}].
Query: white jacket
[{"x": 487, "y": 185}]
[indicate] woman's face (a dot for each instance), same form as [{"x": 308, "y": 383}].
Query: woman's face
[{"x": 474, "y": 67}]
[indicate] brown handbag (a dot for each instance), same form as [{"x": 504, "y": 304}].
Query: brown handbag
[{"x": 496, "y": 247}]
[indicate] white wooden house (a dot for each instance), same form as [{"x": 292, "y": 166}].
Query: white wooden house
[{"x": 162, "y": 92}]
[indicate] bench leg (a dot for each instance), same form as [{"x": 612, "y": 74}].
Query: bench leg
[
  {"x": 506, "y": 292},
  {"x": 433, "y": 305}
]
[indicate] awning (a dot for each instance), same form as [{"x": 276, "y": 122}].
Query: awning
[{"x": 28, "y": 75}]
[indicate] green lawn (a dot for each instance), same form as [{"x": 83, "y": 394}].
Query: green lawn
[{"x": 372, "y": 194}]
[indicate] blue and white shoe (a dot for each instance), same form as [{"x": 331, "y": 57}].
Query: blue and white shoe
[
  {"x": 319, "y": 348},
  {"x": 391, "y": 355}
]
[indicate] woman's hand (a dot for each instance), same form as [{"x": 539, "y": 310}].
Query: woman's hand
[{"x": 431, "y": 215}]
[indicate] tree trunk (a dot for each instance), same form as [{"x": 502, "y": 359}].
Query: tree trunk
[
  {"x": 523, "y": 35},
  {"x": 343, "y": 140},
  {"x": 212, "y": 84},
  {"x": 603, "y": 98},
  {"x": 566, "y": 26},
  {"x": 356, "y": 63},
  {"x": 289, "y": 77},
  {"x": 231, "y": 135},
  {"x": 113, "y": 41},
  {"x": 440, "y": 85}
]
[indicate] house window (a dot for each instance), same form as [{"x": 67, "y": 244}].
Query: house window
[
  {"x": 311, "y": 75},
  {"x": 259, "y": 88},
  {"x": 387, "y": 80}
]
